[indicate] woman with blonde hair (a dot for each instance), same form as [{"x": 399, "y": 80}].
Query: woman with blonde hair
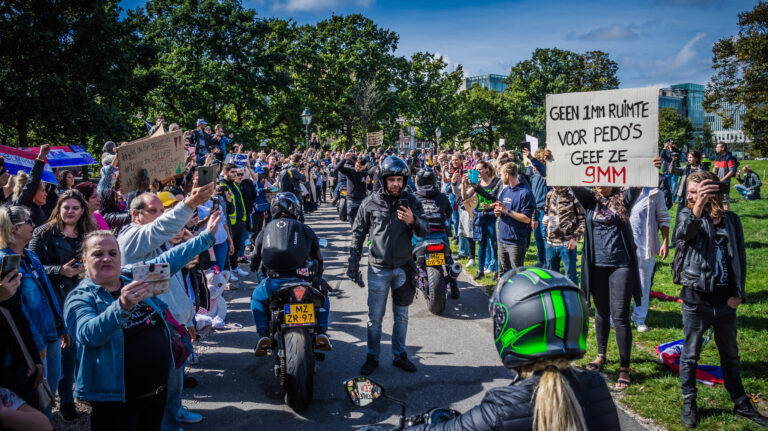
[{"x": 540, "y": 321}]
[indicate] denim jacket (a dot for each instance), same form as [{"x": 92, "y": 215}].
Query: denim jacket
[
  {"x": 96, "y": 322},
  {"x": 39, "y": 302}
]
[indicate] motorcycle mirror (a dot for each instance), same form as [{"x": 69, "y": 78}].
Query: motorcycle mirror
[
  {"x": 363, "y": 391},
  {"x": 323, "y": 242}
]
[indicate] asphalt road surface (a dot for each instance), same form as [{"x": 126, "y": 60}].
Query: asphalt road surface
[{"x": 454, "y": 353}]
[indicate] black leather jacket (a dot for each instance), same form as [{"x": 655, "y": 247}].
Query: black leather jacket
[
  {"x": 437, "y": 208},
  {"x": 54, "y": 251},
  {"x": 697, "y": 235},
  {"x": 511, "y": 407},
  {"x": 390, "y": 237}
]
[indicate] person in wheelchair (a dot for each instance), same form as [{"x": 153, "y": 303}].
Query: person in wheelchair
[{"x": 286, "y": 251}]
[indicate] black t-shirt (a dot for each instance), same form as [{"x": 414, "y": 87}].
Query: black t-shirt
[
  {"x": 147, "y": 354},
  {"x": 609, "y": 250},
  {"x": 721, "y": 281}
]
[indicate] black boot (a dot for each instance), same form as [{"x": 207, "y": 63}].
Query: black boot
[
  {"x": 689, "y": 417},
  {"x": 747, "y": 410},
  {"x": 371, "y": 363}
]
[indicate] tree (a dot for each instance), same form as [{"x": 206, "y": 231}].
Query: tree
[
  {"x": 431, "y": 97},
  {"x": 741, "y": 75},
  {"x": 673, "y": 126},
  {"x": 553, "y": 71},
  {"x": 485, "y": 116}
]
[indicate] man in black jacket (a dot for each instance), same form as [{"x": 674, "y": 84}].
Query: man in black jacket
[
  {"x": 391, "y": 217},
  {"x": 356, "y": 182},
  {"x": 713, "y": 276}
]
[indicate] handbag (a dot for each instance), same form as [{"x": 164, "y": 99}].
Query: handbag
[
  {"x": 181, "y": 341},
  {"x": 43, "y": 391}
]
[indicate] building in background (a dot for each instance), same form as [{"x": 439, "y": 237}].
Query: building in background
[
  {"x": 494, "y": 82},
  {"x": 687, "y": 99},
  {"x": 733, "y": 135}
]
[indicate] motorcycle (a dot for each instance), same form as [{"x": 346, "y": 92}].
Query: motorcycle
[
  {"x": 431, "y": 256},
  {"x": 292, "y": 329},
  {"x": 363, "y": 392},
  {"x": 341, "y": 205}
]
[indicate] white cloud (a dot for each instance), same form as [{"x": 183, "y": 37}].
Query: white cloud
[
  {"x": 318, "y": 5},
  {"x": 684, "y": 56},
  {"x": 613, "y": 33}
]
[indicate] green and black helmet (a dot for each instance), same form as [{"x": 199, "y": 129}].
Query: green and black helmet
[{"x": 538, "y": 313}]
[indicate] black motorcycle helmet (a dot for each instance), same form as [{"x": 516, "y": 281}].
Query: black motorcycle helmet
[
  {"x": 538, "y": 313},
  {"x": 285, "y": 204},
  {"x": 426, "y": 177},
  {"x": 393, "y": 166}
]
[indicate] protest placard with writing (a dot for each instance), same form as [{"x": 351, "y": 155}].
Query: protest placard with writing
[
  {"x": 240, "y": 159},
  {"x": 163, "y": 157},
  {"x": 605, "y": 138},
  {"x": 374, "y": 139}
]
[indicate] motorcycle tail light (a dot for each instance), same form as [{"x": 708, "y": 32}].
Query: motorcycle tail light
[
  {"x": 299, "y": 292},
  {"x": 436, "y": 247}
]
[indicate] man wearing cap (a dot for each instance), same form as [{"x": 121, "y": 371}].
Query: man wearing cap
[
  {"x": 201, "y": 141},
  {"x": 356, "y": 186}
]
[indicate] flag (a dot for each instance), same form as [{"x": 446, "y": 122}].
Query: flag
[
  {"x": 65, "y": 157},
  {"x": 669, "y": 355},
  {"x": 17, "y": 160}
]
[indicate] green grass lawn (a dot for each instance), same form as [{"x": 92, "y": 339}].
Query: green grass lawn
[{"x": 655, "y": 390}]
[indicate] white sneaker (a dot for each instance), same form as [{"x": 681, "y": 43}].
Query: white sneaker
[
  {"x": 470, "y": 263},
  {"x": 231, "y": 276},
  {"x": 642, "y": 327},
  {"x": 239, "y": 271}
]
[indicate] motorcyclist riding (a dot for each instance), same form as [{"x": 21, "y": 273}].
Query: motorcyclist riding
[
  {"x": 280, "y": 254},
  {"x": 539, "y": 327},
  {"x": 437, "y": 211}
]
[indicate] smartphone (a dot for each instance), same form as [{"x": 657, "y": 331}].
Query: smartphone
[
  {"x": 206, "y": 175},
  {"x": 402, "y": 202},
  {"x": 77, "y": 265},
  {"x": 526, "y": 145},
  {"x": 474, "y": 176},
  {"x": 724, "y": 187},
  {"x": 158, "y": 275},
  {"x": 215, "y": 204},
  {"x": 10, "y": 262}
]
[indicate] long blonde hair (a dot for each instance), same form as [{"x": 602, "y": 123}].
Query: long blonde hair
[
  {"x": 21, "y": 180},
  {"x": 9, "y": 216},
  {"x": 715, "y": 207},
  {"x": 556, "y": 407}
]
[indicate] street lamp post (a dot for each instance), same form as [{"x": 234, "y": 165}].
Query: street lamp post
[
  {"x": 306, "y": 118},
  {"x": 438, "y": 132}
]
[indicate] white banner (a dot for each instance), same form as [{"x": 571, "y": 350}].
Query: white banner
[
  {"x": 605, "y": 138},
  {"x": 533, "y": 140}
]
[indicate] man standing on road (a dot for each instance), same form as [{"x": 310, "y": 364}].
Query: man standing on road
[
  {"x": 392, "y": 217},
  {"x": 356, "y": 190}
]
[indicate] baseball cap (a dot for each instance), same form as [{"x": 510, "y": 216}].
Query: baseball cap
[
  {"x": 167, "y": 199},
  {"x": 201, "y": 121}
]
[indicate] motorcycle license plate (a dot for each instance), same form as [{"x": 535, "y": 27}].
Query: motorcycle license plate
[
  {"x": 435, "y": 259},
  {"x": 299, "y": 314}
]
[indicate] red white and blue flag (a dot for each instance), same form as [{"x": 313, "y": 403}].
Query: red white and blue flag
[
  {"x": 670, "y": 353},
  {"x": 65, "y": 157},
  {"x": 17, "y": 160}
]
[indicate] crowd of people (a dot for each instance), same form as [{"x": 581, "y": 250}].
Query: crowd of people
[{"x": 75, "y": 323}]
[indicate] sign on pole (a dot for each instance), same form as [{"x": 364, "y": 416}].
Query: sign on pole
[
  {"x": 603, "y": 138},
  {"x": 374, "y": 139},
  {"x": 163, "y": 157}
]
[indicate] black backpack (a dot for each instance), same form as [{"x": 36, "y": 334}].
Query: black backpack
[
  {"x": 285, "y": 180},
  {"x": 284, "y": 245}
]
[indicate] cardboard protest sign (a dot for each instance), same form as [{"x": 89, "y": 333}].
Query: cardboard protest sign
[
  {"x": 162, "y": 156},
  {"x": 374, "y": 139},
  {"x": 64, "y": 157},
  {"x": 603, "y": 138},
  {"x": 533, "y": 140},
  {"x": 240, "y": 159},
  {"x": 17, "y": 160}
]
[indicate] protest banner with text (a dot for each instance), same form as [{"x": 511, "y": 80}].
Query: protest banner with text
[
  {"x": 603, "y": 138},
  {"x": 375, "y": 139},
  {"x": 163, "y": 156}
]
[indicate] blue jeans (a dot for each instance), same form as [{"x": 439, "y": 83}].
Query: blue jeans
[
  {"x": 485, "y": 226},
  {"x": 464, "y": 248},
  {"x": 672, "y": 180},
  {"x": 264, "y": 290},
  {"x": 539, "y": 234},
  {"x": 558, "y": 253},
  {"x": 749, "y": 195},
  {"x": 338, "y": 188},
  {"x": 173, "y": 400},
  {"x": 380, "y": 281},
  {"x": 221, "y": 251},
  {"x": 52, "y": 364},
  {"x": 68, "y": 362}
]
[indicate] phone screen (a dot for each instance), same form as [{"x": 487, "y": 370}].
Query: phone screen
[
  {"x": 474, "y": 176},
  {"x": 10, "y": 262}
]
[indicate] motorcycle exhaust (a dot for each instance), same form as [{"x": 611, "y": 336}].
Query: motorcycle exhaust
[{"x": 454, "y": 270}]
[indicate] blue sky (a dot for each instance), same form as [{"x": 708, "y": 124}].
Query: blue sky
[{"x": 655, "y": 42}]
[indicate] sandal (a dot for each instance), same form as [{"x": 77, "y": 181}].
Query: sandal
[
  {"x": 597, "y": 364},
  {"x": 624, "y": 381}
]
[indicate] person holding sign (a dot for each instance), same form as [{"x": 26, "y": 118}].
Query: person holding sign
[
  {"x": 609, "y": 269},
  {"x": 125, "y": 360}
]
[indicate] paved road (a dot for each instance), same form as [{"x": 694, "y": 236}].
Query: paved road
[{"x": 454, "y": 353}]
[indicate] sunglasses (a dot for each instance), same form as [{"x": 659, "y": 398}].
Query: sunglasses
[
  {"x": 27, "y": 221},
  {"x": 239, "y": 175}
]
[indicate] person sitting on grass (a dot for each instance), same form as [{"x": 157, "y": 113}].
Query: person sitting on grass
[{"x": 749, "y": 185}]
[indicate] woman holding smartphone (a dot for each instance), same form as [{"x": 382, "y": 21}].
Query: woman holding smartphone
[
  {"x": 487, "y": 190},
  {"x": 58, "y": 244}
]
